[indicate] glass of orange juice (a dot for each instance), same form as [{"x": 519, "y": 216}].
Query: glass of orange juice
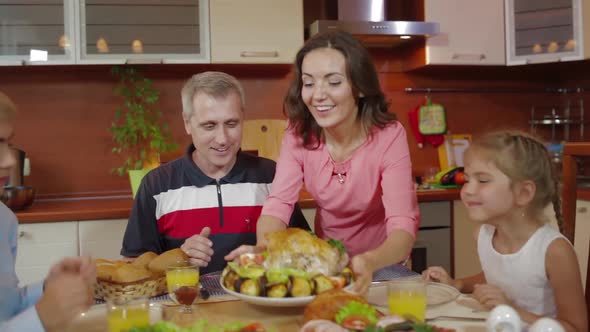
[
  {"x": 183, "y": 285},
  {"x": 123, "y": 314},
  {"x": 407, "y": 298}
]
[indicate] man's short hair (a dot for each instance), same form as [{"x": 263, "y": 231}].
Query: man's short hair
[
  {"x": 7, "y": 108},
  {"x": 213, "y": 83}
]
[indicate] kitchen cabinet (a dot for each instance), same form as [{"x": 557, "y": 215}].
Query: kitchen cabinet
[
  {"x": 37, "y": 32},
  {"x": 582, "y": 236},
  {"x": 42, "y": 245},
  {"x": 255, "y": 31},
  {"x": 433, "y": 241},
  {"x": 546, "y": 31},
  {"x": 466, "y": 259},
  {"x": 102, "y": 238},
  {"x": 143, "y": 31},
  {"x": 471, "y": 32}
]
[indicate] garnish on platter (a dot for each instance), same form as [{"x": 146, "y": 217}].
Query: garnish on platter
[
  {"x": 295, "y": 264},
  {"x": 341, "y": 311},
  {"x": 202, "y": 326}
]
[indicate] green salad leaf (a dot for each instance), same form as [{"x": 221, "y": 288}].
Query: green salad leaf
[
  {"x": 356, "y": 308},
  {"x": 337, "y": 244}
]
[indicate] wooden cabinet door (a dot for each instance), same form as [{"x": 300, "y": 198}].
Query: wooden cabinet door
[
  {"x": 466, "y": 258},
  {"x": 582, "y": 235},
  {"x": 42, "y": 245},
  {"x": 255, "y": 31},
  {"x": 102, "y": 238},
  {"x": 471, "y": 32}
]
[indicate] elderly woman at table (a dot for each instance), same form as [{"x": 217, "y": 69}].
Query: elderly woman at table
[{"x": 351, "y": 154}]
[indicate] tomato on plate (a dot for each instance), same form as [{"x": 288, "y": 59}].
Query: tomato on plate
[
  {"x": 355, "y": 322},
  {"x": 254, "y": 327}
]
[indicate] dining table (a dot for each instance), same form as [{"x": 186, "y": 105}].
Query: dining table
[{"x": 450, "y": 309}]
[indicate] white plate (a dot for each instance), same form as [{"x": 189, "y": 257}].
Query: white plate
[
  {"x": 273, "y": 301},
  {"x": 436, "y": 294},
  {"x": 95, "y": 319}
]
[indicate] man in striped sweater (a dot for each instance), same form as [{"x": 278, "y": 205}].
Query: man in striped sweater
[{"x": 208, "y": 201}]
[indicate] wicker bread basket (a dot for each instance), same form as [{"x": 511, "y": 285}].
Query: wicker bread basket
[{"x": 106, "y": 290}]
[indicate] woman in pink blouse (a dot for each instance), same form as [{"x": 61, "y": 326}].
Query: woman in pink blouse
[{"x": 351, "y": 154}]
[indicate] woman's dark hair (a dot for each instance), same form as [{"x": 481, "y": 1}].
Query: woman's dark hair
[{"x": 372, "y": 107}]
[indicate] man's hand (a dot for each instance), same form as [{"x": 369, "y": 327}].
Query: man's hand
[
  {"x": 199, "y": 248},
  {"x": 66, "y": 295},
  {"x": 490, "y": 296}
]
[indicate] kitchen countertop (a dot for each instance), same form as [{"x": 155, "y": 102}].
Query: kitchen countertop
[{"x": 119, "y": 208}]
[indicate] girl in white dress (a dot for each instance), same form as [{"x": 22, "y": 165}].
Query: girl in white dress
[{"x": 526, "y": 263}]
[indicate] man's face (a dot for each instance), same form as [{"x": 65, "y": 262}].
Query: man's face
[
  {"x": 7, "y": 160},
  {"x": 216, "y": 130}
]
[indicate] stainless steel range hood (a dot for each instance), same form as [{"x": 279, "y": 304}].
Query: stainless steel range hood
[{"x": 365, "y": 19}]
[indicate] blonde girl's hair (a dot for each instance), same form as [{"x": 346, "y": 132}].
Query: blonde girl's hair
[
  {"x": 7, "y": 108},
  {"x": 213, "y": 83},
  {"x": 523, "y": 157}
]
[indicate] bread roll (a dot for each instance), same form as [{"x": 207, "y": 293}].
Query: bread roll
[
  {"x": 130, "y": 273},
  {"x": 105, "y": 268},
  {"x": 326, "y": 305},
  {"x": 144, "y": 259},
  {"x": 174, "y": 257}
]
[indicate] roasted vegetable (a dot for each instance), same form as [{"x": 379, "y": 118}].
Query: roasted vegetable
[
  {"x": 248, "y": 286},
  {"x": 230, "y": 279},
  {"x": 322, "y": 284},
  {"x": 348, "y": 275},
  {"x": 300, "y": 287},
  {"x": 282, "y": 282},
  {"x": 277, "y": 290}
]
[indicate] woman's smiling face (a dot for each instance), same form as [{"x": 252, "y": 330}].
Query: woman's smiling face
[{"x": 326, "y": 89}]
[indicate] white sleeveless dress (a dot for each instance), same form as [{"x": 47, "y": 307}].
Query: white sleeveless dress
[{"x": 520, "y": 275}]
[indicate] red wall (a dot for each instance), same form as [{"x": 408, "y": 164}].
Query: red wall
[{"x": 65, "y": 110}]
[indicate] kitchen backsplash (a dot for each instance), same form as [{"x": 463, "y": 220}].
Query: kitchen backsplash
[{"x": 65, "y": 110}]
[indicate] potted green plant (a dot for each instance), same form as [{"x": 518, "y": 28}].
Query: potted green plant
[{"x": 139, "y": 134}]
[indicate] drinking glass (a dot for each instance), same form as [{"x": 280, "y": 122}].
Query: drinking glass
[
  {"x": 407, "y": 298},
  {"x": 183, "y": 285},
  {"x": 123, "y": 314}
]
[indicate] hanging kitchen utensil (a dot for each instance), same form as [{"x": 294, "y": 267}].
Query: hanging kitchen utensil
[
  {"x": 413, "y": 118},
  {"x": 434, "y": 139},
  {"x": 432, "y": 119}
]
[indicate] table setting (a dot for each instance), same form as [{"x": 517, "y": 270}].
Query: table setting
[{"x": 446, "y": 307}]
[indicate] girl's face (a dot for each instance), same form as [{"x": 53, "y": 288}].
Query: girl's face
[
  {"x": 7, "y": 159},
  {"x": 326, "y": 89},
  {"x": 487, "y": 193}
]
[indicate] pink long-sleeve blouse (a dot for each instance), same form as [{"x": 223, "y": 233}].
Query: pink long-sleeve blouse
[{"x": 359, "y": 201}]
